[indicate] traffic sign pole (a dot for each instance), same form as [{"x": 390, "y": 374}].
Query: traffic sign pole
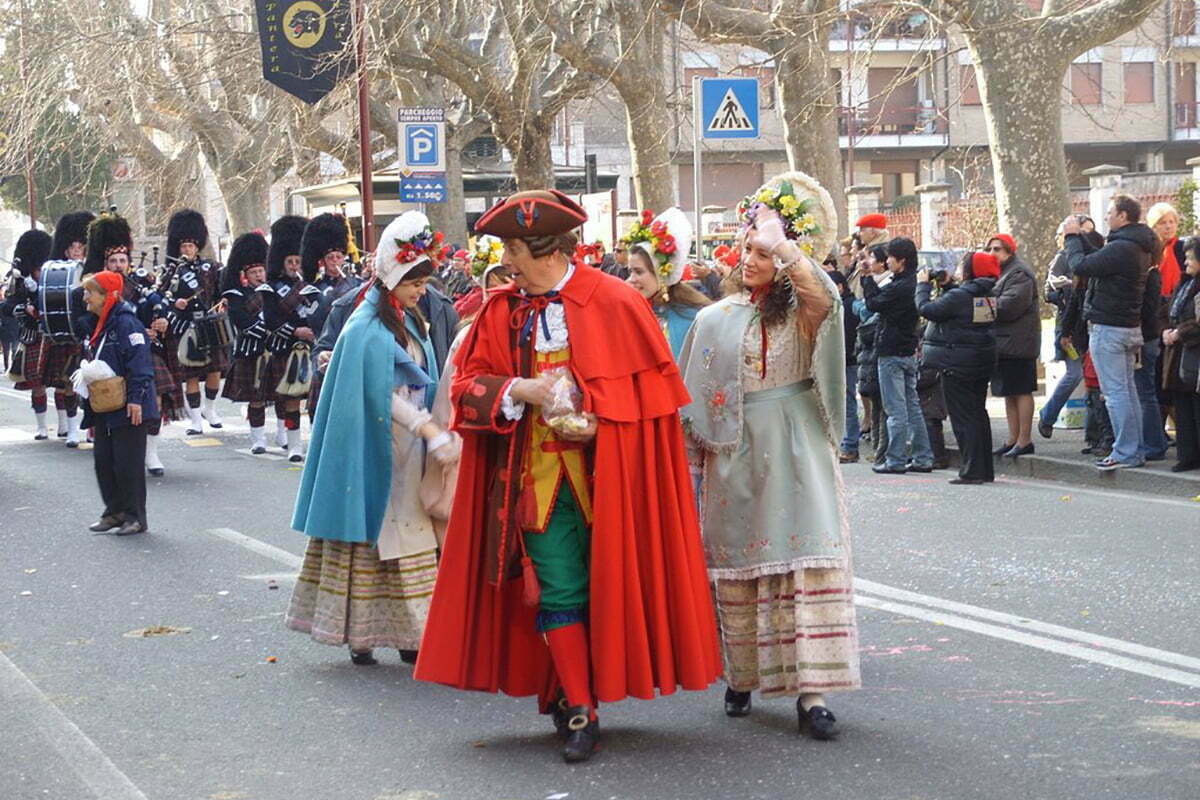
[{"x": 698, "y": 124}]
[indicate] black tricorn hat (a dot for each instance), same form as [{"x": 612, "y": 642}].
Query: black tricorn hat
[
  {"x": 249, "y": 250},
  {"x": 186, "y": 225},
  {"x": 526, "y": 215},
  {"x": 324, "y": 234},
  {"x": 286, "y": 234},
  {"x": 71, "y": 227},
  {"x": 108, "y": 232},
  {"x": 32, "y": 250}
]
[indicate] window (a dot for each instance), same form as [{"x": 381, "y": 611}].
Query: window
[
  {"x": 969, "y": 86},
  {"x": 1086, "y": 83},
  {"x": 695, "y": 72},
  {"x": 1139, "y": 83}
]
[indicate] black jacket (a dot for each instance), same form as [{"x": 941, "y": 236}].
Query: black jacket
[
  {"x": 1116, "y": 274},
  {"x": 1152, "y": 306},
  {"x": 961, "y": 335},
  {"x": 898, "y": 318},
  {"x": 868, "y": 364}
]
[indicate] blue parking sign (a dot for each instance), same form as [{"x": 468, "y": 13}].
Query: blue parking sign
[
  {"x": 421, "y": 145},
  {"x": 729, "y": 108}
]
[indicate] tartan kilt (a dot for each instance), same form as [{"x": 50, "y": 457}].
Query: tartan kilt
[
  {"x": 61, "y": 360},
  {"x": 239, "y": 381},
  {"x": 276, "y": 369},
  {"x": 168, "y": 385},
  {"x": 34, "y": 355}
]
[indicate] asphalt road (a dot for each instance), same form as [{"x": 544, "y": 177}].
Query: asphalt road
[{"x": 1019, "y": 640}]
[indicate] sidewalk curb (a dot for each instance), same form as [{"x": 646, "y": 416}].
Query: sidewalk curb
[{"x": 1046, "y": 468}]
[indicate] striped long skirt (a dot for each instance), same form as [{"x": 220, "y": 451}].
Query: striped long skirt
[
  {"x": 346, "y": 595},
  {"x": 789, "y": 634}
]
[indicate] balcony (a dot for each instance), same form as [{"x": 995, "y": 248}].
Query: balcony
[
  {"x": 913, "y": 32},
  {"x": 1187, "y": 121},
  {"x": 894, "y": 126}
]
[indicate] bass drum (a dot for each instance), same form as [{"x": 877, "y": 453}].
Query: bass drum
[{"x": 56, "y": 300}]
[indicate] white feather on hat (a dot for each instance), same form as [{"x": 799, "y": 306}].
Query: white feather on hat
[
  {"x": 412, "y": 229},
  {"x": 679, "y": 227}
]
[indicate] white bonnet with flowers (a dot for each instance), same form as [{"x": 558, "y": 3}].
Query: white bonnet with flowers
[
  {"x": 666, "y": 239},
  {"x": 808, "y": 213},
  {"x": 407, "y": 241}
]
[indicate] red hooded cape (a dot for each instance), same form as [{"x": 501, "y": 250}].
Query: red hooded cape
[{"x": 652, "y": 625}]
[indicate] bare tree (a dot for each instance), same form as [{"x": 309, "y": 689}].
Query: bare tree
[
  {"x": 621, "y": 41},
  {"x": 1021, "y": 59},
  {"x": 795, "y": 34},
  {"x": 501, "y": 56}
]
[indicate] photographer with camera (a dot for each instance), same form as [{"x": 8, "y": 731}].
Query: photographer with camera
[{"x": 960, "y": 342}]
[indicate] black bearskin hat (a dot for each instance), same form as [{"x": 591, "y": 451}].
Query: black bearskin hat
[
  {"x": 32, "y": 250},
  {"x": 186, "y": 225},
  {"x": 71, "y": 227},
  {"x": 249, "y": 250},
  {"x": 107, "y": 232},
  {"x": 286, "y": 234},
  {"x": 324, "y": 234}
]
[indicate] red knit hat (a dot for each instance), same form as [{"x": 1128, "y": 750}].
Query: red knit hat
[
  {"x": 872, "y": 221},
  {"x": 113, "y": 285},
  {"x": 985, "y": 265},
  {"x": 1009, "y": 242}
]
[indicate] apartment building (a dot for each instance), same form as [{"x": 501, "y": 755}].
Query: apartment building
[{"x": 910, "y": 110}]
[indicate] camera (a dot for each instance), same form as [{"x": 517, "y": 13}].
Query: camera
[{"x": 939, "y": 275}]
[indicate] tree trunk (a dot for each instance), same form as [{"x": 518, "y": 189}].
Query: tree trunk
[
  {"x": 450, "y": 217},
  {"x": 648, "y": 124},
  {"x": 808, "y": 106},
  {"x": 1022, "y": 103},
  {"x": 245, "y": 205},
  {"x": 533, "y": 166}
]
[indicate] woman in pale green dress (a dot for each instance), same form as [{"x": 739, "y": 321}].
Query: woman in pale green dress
[{"x": 765, "y": 369}]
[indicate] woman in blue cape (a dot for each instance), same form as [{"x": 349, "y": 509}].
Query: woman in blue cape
[
  {"x": 371, "y": 562},
  {"x": 658, "y": 248}
]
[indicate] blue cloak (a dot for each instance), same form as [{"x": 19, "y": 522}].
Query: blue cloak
[{"x": 348, "y": 472}]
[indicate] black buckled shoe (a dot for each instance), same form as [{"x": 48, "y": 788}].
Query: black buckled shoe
[
  {"x": 363, "y": 658},
  {"x": 818, "y": 722},
  {"x": 737, "y": 704},
  {"x": 560, "y": 712},
  {"x": 583, "y": 735}
]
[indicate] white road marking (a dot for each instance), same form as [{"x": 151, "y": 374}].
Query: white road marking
[
  {"x": 262, "y": 548},
  {"x": 95, "y": 769},
  {"x": 1025, "y": 623},
  {"x": 1029, "y": 640}
]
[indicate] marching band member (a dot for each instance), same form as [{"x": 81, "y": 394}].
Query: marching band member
[
  {"x": 193, "y": 289},
  {"x": 335, "y": 282},
  {"x": 658, "y": 250},
  {"x": 32, "y": 250},
  {"x": 371, "y": 560},
  {"x": 294, "y": 301},
  {"x": 766, "y": 371},
  {"x": 70, "y": 244},
  {"x": 244, "y": 288},
  {"x": 573, "y": 556},
  {"x": 119, "y": 340}
]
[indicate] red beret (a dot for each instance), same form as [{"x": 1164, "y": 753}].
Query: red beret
[
  {"x": 872, "y": 221},
  {"x": 1009, "y": 242},
  {"x": 541, "y": 212},
  {"x": 461, "y": 254},
  {"x": 985, "y": 265}
]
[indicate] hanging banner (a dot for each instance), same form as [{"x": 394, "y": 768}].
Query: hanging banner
[{"x": 304, "y": 45}]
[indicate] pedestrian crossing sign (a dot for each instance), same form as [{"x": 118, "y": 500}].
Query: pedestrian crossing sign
[{"x": 729, "y": 108}]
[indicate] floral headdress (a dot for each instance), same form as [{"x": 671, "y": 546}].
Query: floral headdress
[
  {"x": 488, "y": 252},
  {"x": 666, "y": 238},
  {"x": 406, "y": 241},
  {"x": 809, "y": 216}
]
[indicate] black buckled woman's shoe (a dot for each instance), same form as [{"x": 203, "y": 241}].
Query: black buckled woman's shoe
[
  {"x": 818, "y": 722},
  {"x": 363, "y": 658},
  {"x": 583, "y": 734},
  {"x": 737, "y": 704}
]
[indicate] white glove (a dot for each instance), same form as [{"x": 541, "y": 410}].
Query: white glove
[
  {"x": 445, "y": 449},
  {"x": 406, "y": 414},
  {"x": 30, "y": 285}
]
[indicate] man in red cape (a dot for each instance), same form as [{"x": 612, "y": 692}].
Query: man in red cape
[{"x": 572, "y": 567}]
